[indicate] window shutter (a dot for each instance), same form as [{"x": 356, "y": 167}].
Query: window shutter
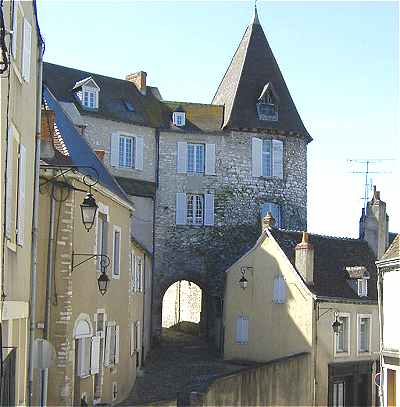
[
  {"x": 132, "y": 338},
  {"x": 138, "y": 337},
  {"x": 181, "y": 160},
  {"x": 245, "y": 330},
  {"x": 210, "y": 159},
  {"x": 114, "y": 154},
  {"x": 181, "y": 210},
  {"x": 14, "y": 28},
  {"x": 26, "y": 51},
  {"x": 139, "y": 153},
  {"x": 276, "y": 290},
  {"x": 209, "y": 209},
  {"x": 142, "y": 276},
  {"x": 238, "y": 329},
  {"x": 21, "y": 195},
  {"x": 10, "y": 179},
  {"x": 277, "y": 158},
  {"x": 282, "y": 290},
  {"x": 95, "y": 357},
  {"x": 107, "y": 348},
  {"x": 256, "y": 156},
  {"x": 117, "y": 344}
]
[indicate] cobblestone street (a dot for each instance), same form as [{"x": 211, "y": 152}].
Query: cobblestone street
[{"x": 180, "y": 364}]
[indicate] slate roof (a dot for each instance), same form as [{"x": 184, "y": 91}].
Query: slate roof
[
  {"x": 137, "y": 187},
  {"x": 77, "y": 148},
  {"x": 393, "y": 251},
  {"x": 252, "y": 67},
  {"x": 331, "y": 257},
  {"x": 113, "y": 92}
]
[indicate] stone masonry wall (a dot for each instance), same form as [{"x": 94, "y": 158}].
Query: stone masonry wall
[{"x": 201, "y": 254}]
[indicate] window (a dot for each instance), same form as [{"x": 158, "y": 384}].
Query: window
[
  {"x": 179, "y": 118},
  {"x": 102, "y": 235},
  {"x": 112, "y": 344},
  {"x": 242, "y": 330},
  {"x": 342, "y": 338},
  {"x": 275, "y": 209},
  {"x": 26, "y": 50},
  {"x": 195, "y": 158},
  {"x": 362, "y": 287},
  {"x": 90, "y": 96},
  {"x": 137, "y": 273},
  {"x": 116, "y": 251},
  {"x": 84, "y": 350},
  {"x": 100, "y": 323},
  {"x": 338, "y": 396},
  {"x": 267, "y": 158},
  {"x": 279, "y": 290},
  {"x": 126, "y": 151},
  {"x": 114, "y": 391},
  {"x": 195, "y": 205},
  {"x": 267, "y": 106},
  {"x": 194, "y": 209},
  {"x": 364, "y": 333}
]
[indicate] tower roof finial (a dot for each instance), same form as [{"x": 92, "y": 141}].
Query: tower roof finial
[{"x": 255, "y": 19}]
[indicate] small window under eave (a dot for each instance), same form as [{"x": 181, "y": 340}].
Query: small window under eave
[
  {"x": 87, "y": 91},
  {"x": 267, "y": 104}
]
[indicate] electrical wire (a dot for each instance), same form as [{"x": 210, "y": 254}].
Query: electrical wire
[{"x": 4, "y": 64}]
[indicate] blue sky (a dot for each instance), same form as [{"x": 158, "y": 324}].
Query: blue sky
[{"x": 340, "y": 61}]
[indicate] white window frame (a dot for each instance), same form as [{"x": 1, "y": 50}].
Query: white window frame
[
  {"x": 193, "y": 200},
  {"x": 111, "y": 353},
  {"x": 114, "y": 391},
  {"x": 103, "y": 210},
  {"x": 359, "y": 317},
  {"x": 102, "y": 332},
  {"x": 335, "y": 386},
  {"x": 362, "y": 287},
  {"x": 179, "y": 119},
  {"x": 279, "y": 290},
  {"x": 196, "y": 147},
  {"x": 340, "y": 353},
  {"x": 124, "y": 162},
  {"x": 241, "y": 341},
  {"x": 90, "y": 91},
  {"x": 116, "y": 229}
]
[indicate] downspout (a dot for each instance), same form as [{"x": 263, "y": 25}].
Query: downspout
[
  {"x": 144, "y": 304},
  {"x": 35, "y": 215},
  {"x": 49, "y": 279},
  {"x": 315, "y": 381},
  {"x": 381, "y": 345}
]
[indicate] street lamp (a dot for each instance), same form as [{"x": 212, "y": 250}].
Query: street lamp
[
  {"x": 102, "y": 281},
  {"x": 243, "y": 283},
  {"x": 88, "y": 211},
  {"x": 337, "y": 326}
]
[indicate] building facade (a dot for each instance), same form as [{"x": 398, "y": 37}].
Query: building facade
[
  {"x": 297, "y": 288},
  {"x": 20, "y": 90}
]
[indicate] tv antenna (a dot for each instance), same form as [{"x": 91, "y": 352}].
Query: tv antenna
[{"x": 367, "y": 163}]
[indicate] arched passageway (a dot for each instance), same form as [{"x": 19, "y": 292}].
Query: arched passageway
[{"x": 182, "y": 307}]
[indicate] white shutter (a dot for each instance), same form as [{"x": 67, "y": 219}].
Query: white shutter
[
  {"x": 282, "y": 290},
  {"x": 114, "y": 153},
  {"x": 132, "y": 338},
  {"x": 107, "y": 348},
  {"x": 95, "y": 357},
  {"x": 256, "y": 156},
  {"x": 139, "y": 153},
  {"x": 21, "y": 195},
  {"x": 210, "y": 159},
  {"x": 138, "y": 337},
  {"x": 276, "y": 290},
  {"x": 116, "y": 360},
  {"x": 10, "y": 182},
  {"x": 181, "y": 209},
  {"x": 209, "y": 209},
  {"x": 277, "y": 158},
  {"x": 238, "y": 329},
  {"x": 245, "y": 330},
  {"x": 181, "y": 159},
  {"x": 26, "y": 51},
  {"x": 15, "y": 29}
]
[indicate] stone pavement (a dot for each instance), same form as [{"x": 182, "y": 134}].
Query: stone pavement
[{"x": 180, "y": 364}]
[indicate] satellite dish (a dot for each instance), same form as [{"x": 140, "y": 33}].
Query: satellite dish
[{"x": 43, "y": 354}]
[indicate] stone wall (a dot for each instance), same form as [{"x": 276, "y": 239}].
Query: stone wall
[{"x": 201, "y": 254}]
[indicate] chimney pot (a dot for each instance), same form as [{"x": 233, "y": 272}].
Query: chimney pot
[
  {"x": 304, "y": 259},
  {"x": 139, "y": 80},
  {"x": 268, "y": 221}
]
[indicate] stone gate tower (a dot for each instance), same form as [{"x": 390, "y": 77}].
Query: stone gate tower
[{"x": 221, "y": 166}]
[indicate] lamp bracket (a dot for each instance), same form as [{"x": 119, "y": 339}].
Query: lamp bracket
[
  {"x": 104, "y": 262},
  {"x": 326, "y": 310}
]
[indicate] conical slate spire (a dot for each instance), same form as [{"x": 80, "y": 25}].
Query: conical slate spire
[{"x": 252, "y": 67}]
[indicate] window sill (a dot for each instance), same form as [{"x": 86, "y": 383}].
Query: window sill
[
  {"x": 11, "y": 245},
  {"x": 364, "y": 353},
  {"x": 342, "y": 354},
  {"x": 116, "y": 276},
  {"x": 270, "y": 178}
]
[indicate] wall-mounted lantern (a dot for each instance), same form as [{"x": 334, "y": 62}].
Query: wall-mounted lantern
[
  {"x": 337, "y": 326},
  {"x": 243, "y": 283},
  {"x": 88, "y": 211}
]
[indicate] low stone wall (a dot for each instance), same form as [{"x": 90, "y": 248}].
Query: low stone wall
[{"x": 283, "y": 382}]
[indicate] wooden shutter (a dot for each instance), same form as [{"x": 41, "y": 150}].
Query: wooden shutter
[
  {"x": 26, "y": 51},
  {"x": 21, "y": 195},
  {"x": 139, "y": 153},
  {"x": 256, "y": 156},
  {"x": 277, "y": 158},
  {"x": 95, "y": 356},
  {"x": 10, "y": 183},
  {"x": 210, "y": 159},
  {"x": 114, "y": 152},
  {"x": 116, "y": 359},
  {"x": 181, "y": 159},
  {"x": 107, "y": 350},
  {"x": 181, "y": 209},
  {"x": 209, "y": 209}
]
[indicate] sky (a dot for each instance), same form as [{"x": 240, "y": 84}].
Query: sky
[{"x": 340, "y": 61}]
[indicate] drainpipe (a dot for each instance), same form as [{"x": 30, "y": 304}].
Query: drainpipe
[
  {"x": 380, "y": 287},
  {"x": 35, "y": 215},
  {"x": 50, "y": 270},
  {"x": 315, "y": 380}
]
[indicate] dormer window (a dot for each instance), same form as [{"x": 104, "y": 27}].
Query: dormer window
[
  {"x": 362, "y": 287},
  {"x": 179, "y": 118},
  {"x": 357, "y": 277},
  {"x": 267, "y": 104},
  {"x": 87, "y": 91}
]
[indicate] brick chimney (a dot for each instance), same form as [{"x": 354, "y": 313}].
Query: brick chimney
[
  {"x": 48, "y": 119},
  {"x": 267, "y": 222},
  {"x": 374, "y": 224},
  {"x": 304, "y": 259},
  {"x": 139, "y": 80}
]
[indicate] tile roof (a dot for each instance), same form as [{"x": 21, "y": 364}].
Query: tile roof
[
  {"x": 393, "y": 252},
  {"x": 79, "y": 152},
  {"x": 252, "y": 67},
  {"x": 331, "y": 257},
  {"x": 114, "y": 93}
]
